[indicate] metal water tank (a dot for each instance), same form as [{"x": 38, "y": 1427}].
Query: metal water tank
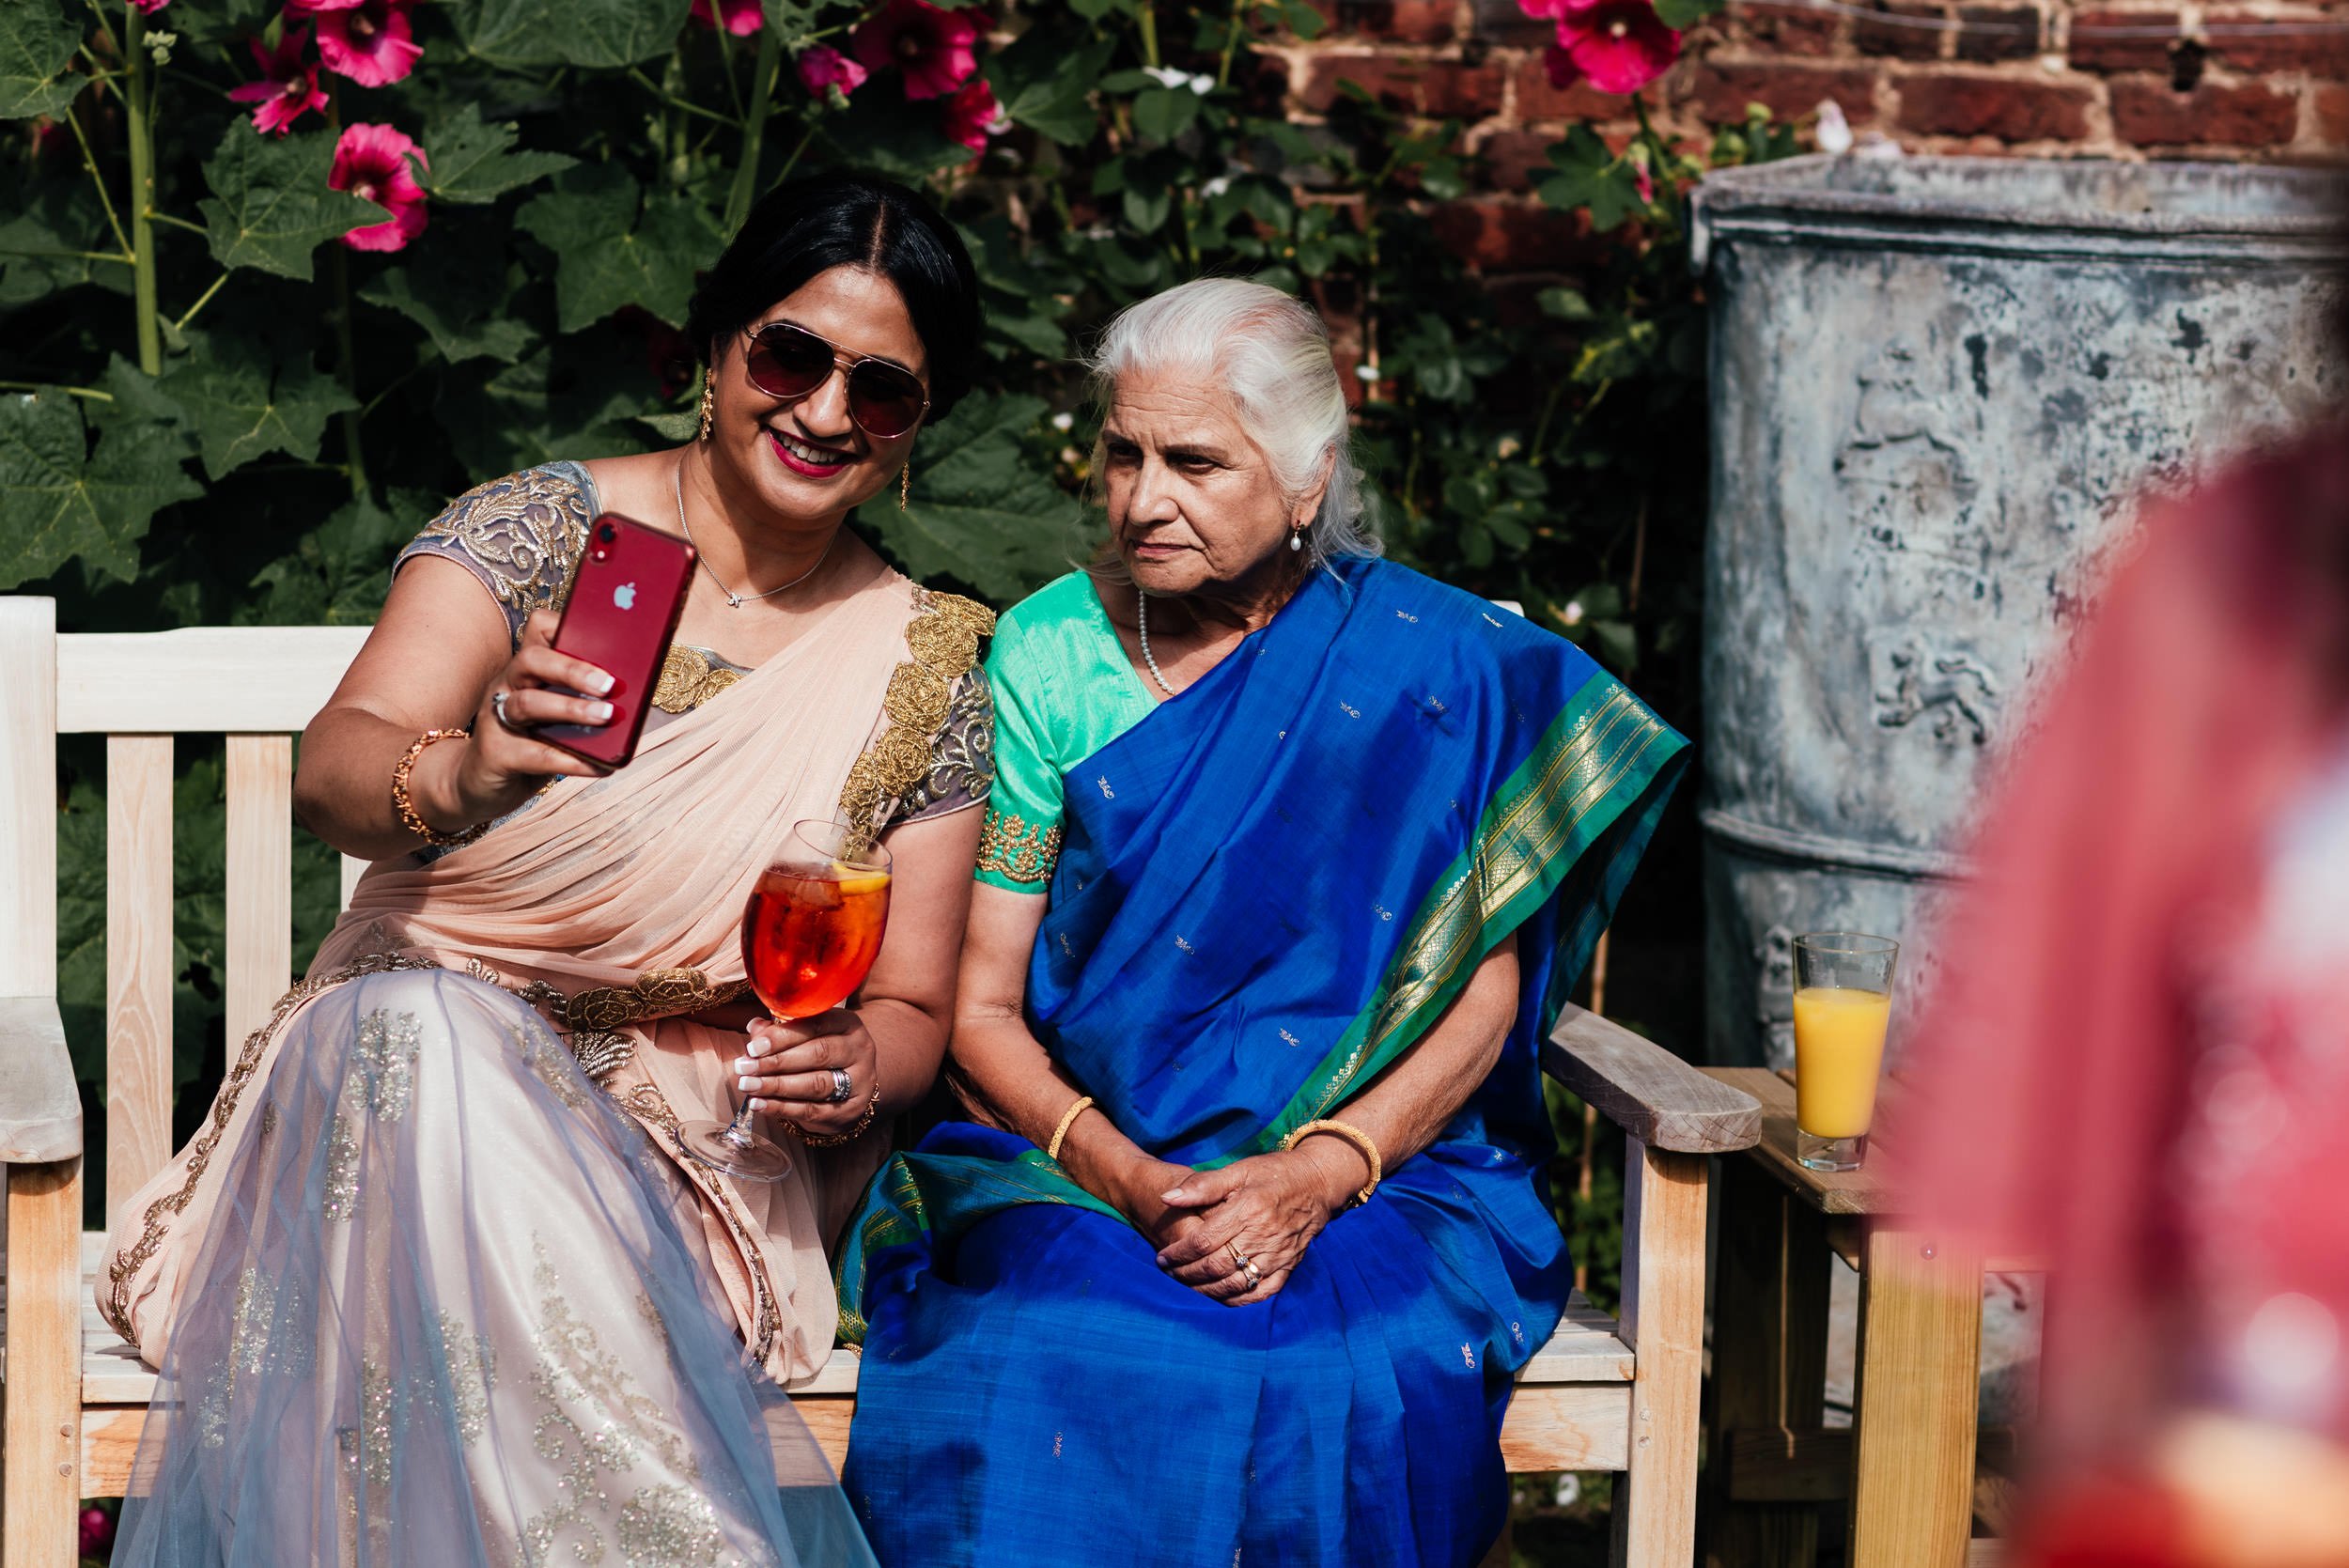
[{"x": 1940, "y": 387}]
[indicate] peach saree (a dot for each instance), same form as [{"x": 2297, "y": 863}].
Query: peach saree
[{"x": 439, "y": 1117}]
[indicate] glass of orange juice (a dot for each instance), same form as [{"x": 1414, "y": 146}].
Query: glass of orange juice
[{"x": 1842, "y": 1000}]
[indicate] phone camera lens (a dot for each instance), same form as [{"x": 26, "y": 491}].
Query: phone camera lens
[{"x": 607, "y": 532}]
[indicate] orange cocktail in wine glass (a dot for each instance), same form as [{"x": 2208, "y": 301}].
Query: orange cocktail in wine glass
[{"x": 810, "y": 934}]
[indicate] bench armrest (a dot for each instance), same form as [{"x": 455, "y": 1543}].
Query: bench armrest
[
  {"x": 41, "y": 1109},
  {"x": 1656, "y": 1098}
]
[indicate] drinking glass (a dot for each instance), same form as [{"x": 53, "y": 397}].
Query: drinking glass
[
  {"x": 1842, "y": 1000},
  {"x": 810, "y": 933}
]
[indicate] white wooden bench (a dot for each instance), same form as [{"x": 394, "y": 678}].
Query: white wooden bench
[{"x": 1602, "y": 1395}]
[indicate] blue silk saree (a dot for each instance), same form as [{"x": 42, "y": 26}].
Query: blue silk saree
[{"x": 1270, "y": 888}]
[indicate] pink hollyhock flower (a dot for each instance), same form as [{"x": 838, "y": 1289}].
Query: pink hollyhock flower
[
  {"x": 146, "y": 7},
  {"x": 289, "y": 87},
  {"x": 1618, "y": 46},
  {"x": 98, "y": 1529},
  {"x": 932, "y": 47},
  {"x": 741, "y": 17},
  {"x": 371, "y": 162},
  {"x": 367, "y": 40},
  {"x": 822, "y": 69},
  {"x": 972, "y": 116}
]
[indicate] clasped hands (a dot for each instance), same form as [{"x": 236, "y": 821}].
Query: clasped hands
[
  {"x": 1267, "y": 1207},
  {"x": 788, "y": 1071}
]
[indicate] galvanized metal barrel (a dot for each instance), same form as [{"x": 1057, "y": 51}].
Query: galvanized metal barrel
[{"x": 1940, "y": 389}]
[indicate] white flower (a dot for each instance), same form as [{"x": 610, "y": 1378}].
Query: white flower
[
  {"x": 1572, "y": 614},
  {"x": 1070, "y": 456},
  {"x": 1167, "y": 76},
  {"x": 1367, "y": 372},
  {"x": 1099, "y": 232},
  {"x": 1063, "y": 420},
  {"x": 1216, "y": 187},
  {"x": 1509, "y": 446},
  {"x": 1834, "y": 130}
]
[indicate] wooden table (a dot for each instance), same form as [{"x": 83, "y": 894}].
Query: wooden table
[{"x": 1906, "y": 1468}]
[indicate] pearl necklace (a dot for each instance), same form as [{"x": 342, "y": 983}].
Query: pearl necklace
[
  {"x": 734, "y": 600},
  {"x": 1142, "y": 630}
]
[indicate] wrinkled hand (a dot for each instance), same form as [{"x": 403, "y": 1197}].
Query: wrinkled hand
[
  {"x": 498, "y": 769},
  {"x": 1140, "y": 1196},
  {"x": 787, "y": 1072},
  {"x": 1270, "y": 1207}
]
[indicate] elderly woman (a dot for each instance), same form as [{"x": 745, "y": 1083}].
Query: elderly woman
[
  {"x": 435, "y": 1284},
  {"x": 1290, "y": 855}
]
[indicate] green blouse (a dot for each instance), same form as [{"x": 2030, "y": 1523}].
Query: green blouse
[{"x": 1062, "y": 689}]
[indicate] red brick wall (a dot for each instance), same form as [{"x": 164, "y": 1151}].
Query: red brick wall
[{"x": 2041, "y": 77}]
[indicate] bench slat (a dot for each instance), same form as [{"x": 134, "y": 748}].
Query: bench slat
[
  {"x": 138, "y": 962},
  {"x": 199, "y": 679},
  {"x": 28, "y": 797},
  {"x": 260, "y": 878},
  {"x": 1571, "y": 1410},
  {"x": 40, "y": 1109}
]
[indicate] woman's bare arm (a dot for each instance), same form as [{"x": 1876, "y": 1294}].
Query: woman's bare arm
[
  {"x": 1009, "y": 1080},
  {"x": 437, "y": 651}
]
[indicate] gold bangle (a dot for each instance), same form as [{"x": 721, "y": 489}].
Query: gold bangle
[
  {"x": 405, "y": 808},
  {"x": 1069, "y": 1117},
  {"x": 872, "y": 1106},
  {"x": 1353, "y": 1135}
]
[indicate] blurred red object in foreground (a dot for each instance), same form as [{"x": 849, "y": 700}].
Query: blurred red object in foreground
[{"x": 2214, "y": 1492}]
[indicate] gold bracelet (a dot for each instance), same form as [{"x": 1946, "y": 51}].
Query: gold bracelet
[
  {"x": 1353, "y": 1135},
  {"x": 871, "y": 1107},
  {"x": 1068, "y": 1118},
  {"x": 406, "y": 808}
]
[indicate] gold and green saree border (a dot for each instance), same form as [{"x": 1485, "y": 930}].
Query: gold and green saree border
[{"x": 1577, "y": 790}]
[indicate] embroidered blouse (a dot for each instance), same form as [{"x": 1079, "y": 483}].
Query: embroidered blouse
[
  {"x": 1062, "y": 689},
  {"x": 522, "y": 537}
]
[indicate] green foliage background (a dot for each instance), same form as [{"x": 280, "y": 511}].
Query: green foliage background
[{"x": 212, "y": 413}]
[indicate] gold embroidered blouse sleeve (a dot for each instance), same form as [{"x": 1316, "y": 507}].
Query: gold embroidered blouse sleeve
[
  {"x": 1019, "y": 843},
  {"x": 943, "y": 644}
]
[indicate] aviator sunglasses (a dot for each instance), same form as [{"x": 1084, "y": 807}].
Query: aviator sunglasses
[{"x": 787, "y": 361}]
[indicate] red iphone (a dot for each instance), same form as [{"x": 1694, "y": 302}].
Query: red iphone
[{"x": 625, "y": 603}]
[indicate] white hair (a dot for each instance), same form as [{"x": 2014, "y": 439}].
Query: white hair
[{"x": 1272, "y": 353}]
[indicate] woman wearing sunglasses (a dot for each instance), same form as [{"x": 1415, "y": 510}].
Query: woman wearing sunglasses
[{"x": 429, "y": 1281}]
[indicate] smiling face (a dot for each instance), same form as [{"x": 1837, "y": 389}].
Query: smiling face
[
  {"x": 805, "y": 459},
  {"x": 1194, "y": 503}
]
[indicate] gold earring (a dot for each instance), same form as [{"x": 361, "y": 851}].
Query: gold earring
[
  {"x": 905, "y": 486},
  {"x": 709, "y": 400}
]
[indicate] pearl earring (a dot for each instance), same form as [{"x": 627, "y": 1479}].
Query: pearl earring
[{"x": 1297, "y": 538}]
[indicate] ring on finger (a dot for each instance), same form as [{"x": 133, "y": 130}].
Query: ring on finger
[
  {"x": 842, "y": 1087},
  {"x": 497, "y": 707},
  {"x": 1255, "y": 1278}
]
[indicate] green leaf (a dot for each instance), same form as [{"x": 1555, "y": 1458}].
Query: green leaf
[
  {"x": 577, "y": 397},
  {"x": 983, "y": 510},
  {"x": 52, "y": 219},
  {"x": 1302, "y": 20},
  {"x": 1680, "y": 15},
  {"x": 1095, "y": 10},
  {"x": 1565, "y": 304},
  {"x": 469, "y": 161},
  {"x": 269, "y": 206},
  {"x": 1164, "y": 113},
  {"x": 1590, "y": 176},
  {"x": 789, "y": 21},
  {"x": 614, "y": 246},
  {"x": 881, "y": 131},
  {"x": 458, "y": 302},
  {"x": 1046, "y": 85},
  {"x": 37, "y": 43},
  {"x": 60, "y": 501},
  {"x": 682, "y": 425},
  {"x": 601, "y": 34},
  {"x": 338, "y": 573},
  {"x": 243, "y": 405}
]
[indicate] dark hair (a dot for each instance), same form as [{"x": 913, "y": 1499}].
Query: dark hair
[{"x": 842, "y": 219}]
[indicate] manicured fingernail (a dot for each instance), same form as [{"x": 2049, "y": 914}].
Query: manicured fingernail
[
  {"x": 600, "y": 683},
  {"x": 758, "y": 1045},
  {"x": 599, "y": 713},
  {"x": 746, "y": 1084},
  {"x": 745, "y": 1066}
]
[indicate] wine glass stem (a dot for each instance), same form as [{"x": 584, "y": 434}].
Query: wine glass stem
[{"x": 738, "y": 1131}]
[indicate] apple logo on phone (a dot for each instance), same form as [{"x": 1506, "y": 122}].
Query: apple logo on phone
[{"x": 624, "y": 596}]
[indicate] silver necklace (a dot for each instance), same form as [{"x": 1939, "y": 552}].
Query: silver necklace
[
  {"x": 734, "y": 600},
  {"x": 1141, "y": 629}
]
